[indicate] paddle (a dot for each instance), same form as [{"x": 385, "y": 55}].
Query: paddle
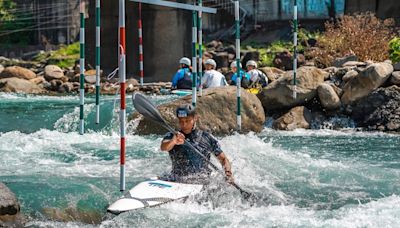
[{"x": 148, "y": 110}]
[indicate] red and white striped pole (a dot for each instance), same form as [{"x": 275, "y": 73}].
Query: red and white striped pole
[
  {"x": 122, "y": 76},
  {"x": 140, "y": 45}
]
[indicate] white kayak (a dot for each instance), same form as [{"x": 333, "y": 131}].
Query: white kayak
[
  {"x": 181, "y": 92},
  {"x": 152, "y": 193}
]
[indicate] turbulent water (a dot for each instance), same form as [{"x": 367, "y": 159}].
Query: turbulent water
[{"x": 304, "y": 178}]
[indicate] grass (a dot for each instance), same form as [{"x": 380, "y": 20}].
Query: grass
[{"x": 64, "y": 57}]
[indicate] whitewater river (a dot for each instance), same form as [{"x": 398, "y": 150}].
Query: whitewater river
[{"x": 304, "y": 178}]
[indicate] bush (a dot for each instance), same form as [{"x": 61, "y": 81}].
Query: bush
[
  {"x": 363, "y": 35},
  {"x": 394, "y": 51},
  {"x": 64, "y": 57}
]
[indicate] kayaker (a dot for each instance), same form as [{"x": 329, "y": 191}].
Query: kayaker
[
  {"x": 211, "y": 77},
  {"x": 183, "y": 77}
]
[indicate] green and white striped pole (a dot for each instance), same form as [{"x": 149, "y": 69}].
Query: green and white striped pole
[
  {"x": 194, "y": 58},
  {"x": 200, "y": 22},
  {"x": 97, "y": 61},
  {"x": 238, "y": 80},
  {"x": 82, "y": 66},
  {"x": 295, "y": 26}
]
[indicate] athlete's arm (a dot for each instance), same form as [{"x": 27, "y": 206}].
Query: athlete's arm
[
  {"x": 168, "y": 144},
  {"x": 227, "y": 166}
]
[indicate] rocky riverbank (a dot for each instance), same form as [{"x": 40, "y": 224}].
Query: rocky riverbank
[
  {"x": 36, "y": 78},
  {"x": 365, "y": 93}
]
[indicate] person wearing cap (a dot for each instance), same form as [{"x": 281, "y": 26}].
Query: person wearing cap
[
  {"x": 183, "y": 77},
  {"x": 257, "y": 78},
  {"x": 211, "y": 77},
  {"x": 244, "y": 76},
  {"x": 186, "y": 163}
]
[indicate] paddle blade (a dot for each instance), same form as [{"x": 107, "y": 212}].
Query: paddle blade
[{"x": 147, "y": 109}]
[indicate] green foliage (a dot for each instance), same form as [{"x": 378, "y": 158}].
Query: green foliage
[
  {"x": 64, "y": 57},
  {"x": 394, "y": 50},
  {"x": 268, "y": 54},
  {"x": 14, "y": 24}
]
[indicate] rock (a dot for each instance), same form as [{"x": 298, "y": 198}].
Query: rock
[
  {"x": 396, "y": 66},
  {"x": 66, "y": 87},
  {"x": 328, "y": 97},
  {"x": 38, "y": 80},
  {"x": 297, "y": 117},
  {"x": 17, "y": 85},
  {"x": 53, "y": 72},
  {"x": 354, "y": 64},
  {"x": 214, "y": 44},
  {"x": 367, "y": 81},
  {"x": 279, "y": 94},
  {"x": 217, "y": 112},
  {"x": 395, "y": 78},
  {"x": 379, "y": 110},
  {"x": 1, "y": 68},
  {"x": 17, "y": 72},
  {"x": 132, "y": 83},
  {"x": 231, "y": 49},
  {"x": 10, "y": 215},
  {"x": 250, "y": 55},
  {"x": 340, "y": 61},
  {"x": 222, "y": 59},
  {"x": 91, "y": 79},
  {"x": 284, "y": 60},
  {"x": 349, "y": 75},
  {"x": 272, "y": 73},
  {"x": 55, "y": 84}
]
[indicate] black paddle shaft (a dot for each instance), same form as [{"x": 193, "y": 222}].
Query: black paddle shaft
[{"x": 148, "y": 110}]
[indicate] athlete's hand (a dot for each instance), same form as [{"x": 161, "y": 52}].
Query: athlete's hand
[
  {"x": 179, "y": 138},
  {"x": 229, "y": 177}
]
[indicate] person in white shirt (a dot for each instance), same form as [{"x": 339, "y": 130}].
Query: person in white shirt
[
  {"x": 211, "y": 77},
  {"x": 257, "y": 78}
]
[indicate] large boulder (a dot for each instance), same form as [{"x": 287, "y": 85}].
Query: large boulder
[
  {"x": 379, "y": 110},
  {"x": 328, "y": 97},
  {"x": 9, "y": 208},
  {"x": 17, "y": 72},
  {"x": 297, "y": 117},
  {"x": 279, "y": 93},
  {"x": 52, "y": 72},
  {"x": 272, "y": 73},
  {"x": 366, "y": 81},
  {"x": 396, "y": 66},
  {"x": 17, "y": 85},
  {"x": 217, "y": 112}
]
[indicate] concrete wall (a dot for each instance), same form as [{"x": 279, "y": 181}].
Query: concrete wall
[
  {"x": 166, "y": 38},
  {"x": 383, "y": 8}
]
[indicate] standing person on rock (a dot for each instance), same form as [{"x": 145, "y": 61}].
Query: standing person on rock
[
  {"x": 244, "y": 76},
  {"x": 211, "y": 77},
  {"x": 257, "y": 78},
  {"x": 187, "y": 165},
  {"x": 183, "y": 77}
]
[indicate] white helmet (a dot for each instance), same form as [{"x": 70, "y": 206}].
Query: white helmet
[
  {"x": 233, "y": 64},
  {"x": 185, "y": 61},
  {"x": 251, "y": 63},
  {"x": 211, "y": 62}
]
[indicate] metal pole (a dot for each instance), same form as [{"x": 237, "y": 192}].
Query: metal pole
[
  {"x": 97, "y": 61},
  {"x": 200, "y": 22},
  {"x": 295, "y": 25},
  {"x": 82, "y": 66},
  {"x": 194, "y": 58},
  {"x": 237, "y": 21},
  {"x": 140, "y": 45},
  {"x": 122, "y": 75}
]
